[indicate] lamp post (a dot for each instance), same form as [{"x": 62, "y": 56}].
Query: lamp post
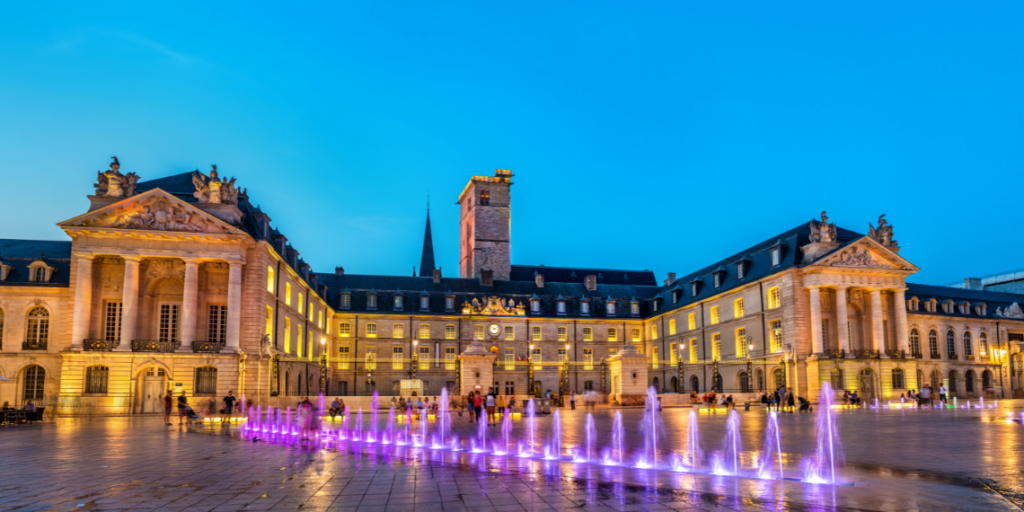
[
  {"x": 750, "y": 368},
  {"x": 323, "y": 364},
  {"x": 369, "y": 384},
  {"x": 1002, "y": 357},
  {"x": 529, "y": 370},
  {"x": 679, "y": 361},
  {"x": 415, "y": 358},
  {"x": 564, "y": 385}
]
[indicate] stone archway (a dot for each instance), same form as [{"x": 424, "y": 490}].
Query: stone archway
[{"x": 866, "y": 385}]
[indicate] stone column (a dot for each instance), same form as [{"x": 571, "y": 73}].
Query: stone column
[
  {"x": 83, "y": 301},
  {"x": 902, "y": 335},
  {"x": 129, "y": 304},
  {"x": 234, "y": 306},
  {"x": 878, "y": 333},
  {"x": 842, "y": 319},
  {"x": 816, "y": 347},
  {"x": 190, "y": 303}
]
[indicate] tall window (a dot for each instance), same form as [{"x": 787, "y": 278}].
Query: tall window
[
  {"x": 588, "y": 334},
  {"x": 288, "y": 294},
  {"x": 982, "y": 339},
  {"x": 716, "y": 347},
  {"x": 270, "y": 321},
  {"x": 96, "y": 379},
  {"x": 933, "y": 343},
  {"x": 671, "y": 326},
  {"x": 737, "y": 308},
  {"x": 741, "y": 342},
  {"x": 535, "y": 356},
  {"x": 774, "y": 297},
  {"x": 561, "y": 307},
  {"x": 654, "y": 332},
  {"x": 968, "y": 348},
  {"x": 35, "y": 379},
  {"x": 287, "y": 335},
  {"x": 168, "y": 322},
  {"x": 371, "y": 357},
  {"x": 112, "y": 321},
  {"x": 424, "y": 302},
  {"x": 535, "y": 333},
  {"x": 478, "y": 332},
  {"x": 206, "y": 380},
  {"x": 345, "y": 329},
  {"x": 561, "y": 355},
  {"x": 319, "y": 319},
  {"x": 424, "y": 331},
  {"x": 371, "y": 301},
  {"x": 838, "y": 379},
  {"x": 398, "y": 331},
  {"x": 915, "y": 342},
  {"x": 346, "y": 301},
  {"x": 343, "y": 355},
  {"x": 485, "y": 198},
  {"x": 38, "y": 327},
  {"x": 634, "y": 308},
  {"x": 510, "y": 358},
  {"x": 654, "y": 358},
  {"x": 396, "y": 358},
  {"x": 585, "y": 308},
  {"x": 636, "y": 334},
  {"x": 673, "y": 357},
  {"x": 776, "y": 330},
  {"x": 449, "y": 358},
  {"x": 218, "y": 325},
  {"x": 714, "y": 315},
  {"x": 588, "y": 359},
  {"x": 371, "y": 330},
  {"x": 613, "y": 334},
  {"x": 298, "y": 340},
  {"x": 776, "y": 257},
  {"x": 691, "y": 321},
  {"x": 824, "y": 333},
  {"x": 510, "y": 332},
  {"x": 399, "y": 299},
  {"x": 449, "y": 332},
  {"x": 300, "y": 303},
  {"x": 1, "y": 328},
  {"x": 898, "y": 382},
  {"x": 693, "y": 350},
  {"x": 950, "y": 343},
  {"x": 449, "y": 303},
  {"x": 270, "y": 279},
  {"x": 562, "y": 334},
  {"x": 610, "y": 308}
]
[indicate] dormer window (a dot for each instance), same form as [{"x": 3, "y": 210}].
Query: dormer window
[
  {"x": 585, "y": 307},
  {"x": 675, "y": 295},
  {"x": 39, "y": 275},
  {"x": 776, "y": 256},
  {"x": 40, "y": 272},
  {"x": 656, "y": 303},
  {"x": 560, "y": 305},
  {"x": 399, "y": 301},
  {"x": 424, "y": 302},
  {"x": 346, "y": 300},
  {"x": 930, "y": 305},
  {"x": 964, "y": 307},
  {"x": 485, "y": 197},
  {"x": 371, "y": 300},
  {"x": 449, "y": 303},
  {"x": 741, "y": 268},
  {"x": 634, "y": 308},
  {"x": 694, "y": 287},
  {"x": 610, "y": 308},
  {"x": 947, "y": 306},
  {"x": 913, "y": 303},
  {"x": 535, "y": 305},
  {"x": 979, "y": 309},
  {"x": 718, "y": 280}
]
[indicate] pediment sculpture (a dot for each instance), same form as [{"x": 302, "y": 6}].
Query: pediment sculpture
[
  {"x": 823, "y": 232},
  {"x": 494, "y": 306},
  {"x": 1013, "y": 311},
  {"x": 859, "y": 257},
  {"x": 114, "y": 184},
  {"x": 210, "y": 189},
  {"x": 157, "y": 213},
  {"x": 883, "y": 234}
]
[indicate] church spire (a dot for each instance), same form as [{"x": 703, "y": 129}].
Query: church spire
[{"x": 427, "y": 260}]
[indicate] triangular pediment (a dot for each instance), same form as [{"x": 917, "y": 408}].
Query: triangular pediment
[
  {"x": 153, "y": 210},
  {"x": 866, "y": 253}
]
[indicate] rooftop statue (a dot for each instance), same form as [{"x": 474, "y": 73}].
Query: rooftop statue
[
  {"x": 883, "y": 234},
  {"x": 212, "y": 190},
  {"x": 114, "y": 184},
  {"x": 823, "y": 231}
]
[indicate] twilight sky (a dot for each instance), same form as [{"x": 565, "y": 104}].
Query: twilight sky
[{"x": 660, "y": 136}]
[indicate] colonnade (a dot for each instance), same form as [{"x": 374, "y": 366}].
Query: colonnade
[{"x": 842, "y": 318}]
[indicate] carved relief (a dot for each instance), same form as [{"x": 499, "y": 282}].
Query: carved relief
[
  {"x": 114, "y": 184},
  {"x": 859, "y": 257},
  {"x": 166, "y": 268},
  {"x": 823, "y": 231},
  {"x": 1013, "y": 311},
  {"x": 157, "y": 213},
  {"x": 883, "y": 234},
  {"x": 212, "y": 190},
  {"x": 494, "y": 306}
]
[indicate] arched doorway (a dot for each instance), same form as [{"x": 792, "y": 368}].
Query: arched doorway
[
  {"x": 718, "y": 382},
  {"x": 759, "y": 377},
  {"x": 287, "y": 383},
  {"x": 744, "y": 382},
  {"x": 969, "y": 382},
  {"x": 695, "y": 384},
  {"x": 657, "y": 385},
  {"x": 936, "y": 382},
  {"x": 674, "y": 384},
  {"x": 866, "y": 383},
  {"x": 954, "y": 376},
  {"x": 987, "y": 385},
  {"x": 152, "y": 387},
  {"x": 779, "y": 378},
  {"x": 34, "y": 383}
]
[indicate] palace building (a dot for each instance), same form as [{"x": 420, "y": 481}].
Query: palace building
[{"x": 180, "y": 283}]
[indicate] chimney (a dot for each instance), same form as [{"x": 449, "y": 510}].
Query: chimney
[
  {"x": 339, "y": 271},
  {"x": 437, "y": 275},
  {"x": 591, "y": 282},
  {"x": 486, "y": 278},
  {"x": 539, "y": 279},
  {"x": 671, "y": 278},
  {"x": 973, "y": 283}
]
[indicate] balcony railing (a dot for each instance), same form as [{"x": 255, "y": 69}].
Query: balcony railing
[
  {"x": 935, "y": 355},
  {"x": 154, "y": 346},
  {"x": 952, "y": 356},
  {"x": 837, "y": 354},
  {"x": 33, "y": 345},
  {"x": 896, "y": 354},
  {"x": 866, "y": 353},
  {"x": 918, "y": 355},
  {"x": 207, "y": 347},
  {"x": 98, "y": 345}
]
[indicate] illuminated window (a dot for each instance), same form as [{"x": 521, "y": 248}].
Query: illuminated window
[
  {"x": 562, "y": 335},
  {"x": 309, "y": 344},
  {"x": 311, "y": 309},
  {"x": 737, "y": 308},
  {"x": 111, "y": 323},
  {"x": 424, "y": 331},
  {"x": 96, "y": 379},
  {"x": 485, "y": 197},
  {"x": 714, "y": 315},
  {"x": 398, "y": 331},
  {"x": 561, "y": 355},
  {"x": 774, "y": 297},
  {"x": 510, "y": 332},
  {"x": 535, "y": 356},
  {"x": 344, "y": 329},
  {"x": 449, "y": 332},
  {"x": 478, "y": 332},
  {"x": 287, "y": 335},
  {"x": 673, "y": 358},
  {"x": 449, "y": 358},
  {"x": 693, "y": 350},
  {"x": 535, "y": 334},
  {"x": 270, "y": 279},
  {"x": 270, "y": 321},
  {"x": 741, "y": 342},
  {"x": 588, "y": 334},
  {"x": 424, "y": 358},
  {"x": 396, "y": 358},
  {"x": 399, "y": 300},
  {"x": 671, "y": 326},
  {"x": 691, "y": 321},
  {"x": 300, "y": 303},
  {"x": 343, "y": 358},
  {"x": 654, "y": 358},
  {"x": 654, "y": 332},
  {"x": 636, "y": 334},
  {"x": 588, "y": 359},
  {"x": 328, "y": 326},
  {"x": 613, "y": 334},
  {"x": 968, "y": 347},
  {"x": 897, "y": 379},
  {"x": 371, "y": 330},
  {"x": 982, "y": 343},
  {"x": 38, "y": 328},
  {"x": 776, "y": 329},
  {"x": 716, "y": 347},
  {"x": 320, "y": 320},
  {"x": 298, "y": 340},
  {"x": 371, "y": 357},
  {"x": 510, "y": 358},
  {"x": 915, "y": 342}
]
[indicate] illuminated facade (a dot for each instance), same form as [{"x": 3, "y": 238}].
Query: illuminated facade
[{"x": 181, "y": 283}]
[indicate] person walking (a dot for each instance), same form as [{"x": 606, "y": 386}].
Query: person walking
[
  {"x": 182, "y": 407},
  {"x": 572, "y": 400},
  {"x": 470, "y": 408},
  {"x": 490, "y": 404},
  {"x": 942, "y": 393},
  {"x": 229, "y": 407},
  {"x": 168, "y": 404},
  {"x": 478, "y": 405},
  {"x": 790, "y": 400}
]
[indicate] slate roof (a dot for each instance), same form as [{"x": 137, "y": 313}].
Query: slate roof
[
  {"x": 180, "y": 185},
  {"x": 578, "y": 274},
  {"x": 992, "y": 300},
  {"x": 20, "y": 253},
  {"x": 427, "y": 258}
]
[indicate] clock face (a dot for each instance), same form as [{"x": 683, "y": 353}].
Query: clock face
[{"x": 494, "y": 328}]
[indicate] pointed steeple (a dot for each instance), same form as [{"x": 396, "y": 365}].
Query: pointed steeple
[{"x": 427, "y": 260}]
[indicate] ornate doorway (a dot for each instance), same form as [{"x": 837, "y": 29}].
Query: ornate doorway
[{"x": 866, "y": 383}]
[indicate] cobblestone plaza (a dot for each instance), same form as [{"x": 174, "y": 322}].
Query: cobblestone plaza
[{"x": 895, "y": 460}]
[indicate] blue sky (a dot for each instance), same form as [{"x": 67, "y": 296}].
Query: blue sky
[{"x": 643, "y": 135}]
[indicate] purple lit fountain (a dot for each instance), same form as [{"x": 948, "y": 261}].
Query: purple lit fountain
[
  {"x": 823, "y": 467},
  {"x": 651, "y": 429},
  {"x": 772, "y": 449},
  {"x": 553, "y": 450}
]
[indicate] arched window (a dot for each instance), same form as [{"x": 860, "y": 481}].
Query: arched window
[
  {"x": 424, "y": 331},
  {"x": 898, "y": 382},
  {"x": 950, "y": 344},
  {"x": 737, "y": 308},
  {"x": 485, "y": 197},
  {"x": 780, "y": 378},
  {"x": 968, "y": 348},
  {"x": 206, "y": 380},
  {"x": 915, "y": 342},
  {"x": 270, "y": 279},
  {"x": 695, "y": 384},
  {"x": 40, "y": 275},
  {"x": 38, "y": 330},
  {"x": 936, "y": 381},
  {"x": 969, "y": 381},
  {"x": 96, "y": 379},
  {"x": 744, "y": 382},
  {"x": 953, "y": 378},
  {"x": 933, "y": 343},
  {"x": 35, "y": 378},
  {"x": 838, "y": 379},
  {"x": 287, "y": 383},
  {"x": 986, "y": 380},
  {"x": 982, "y": 340}
]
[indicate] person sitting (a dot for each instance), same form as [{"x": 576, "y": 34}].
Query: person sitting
[
  {"x": 401, "y": 404},
  {"x": 854, "y": 400},
  {"x": 7, "y": 406},
  {"x": 335, "y": 408},
  {"x": 805, "y": 405},
  {"x": 729, "y": 403},
  {"x": 29, "y": 406}
]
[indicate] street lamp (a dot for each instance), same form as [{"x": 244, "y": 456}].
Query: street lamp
[
  {"x": 750, "y": 370},
  {"x": 323, "y": 364},
  {"x": 564, "y": 385},
  {"x": 415, "y": 357},
  {"x": 679, "y": 361},
  {"x": 529, "y": 369}
]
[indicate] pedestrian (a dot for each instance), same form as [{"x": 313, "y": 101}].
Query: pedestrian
[
  {"x": 419, "y": 408},
  {"x": 182, "y": 407},
  {"x": 500, "y": 410},
  {"x": 790, "y": 400},
  {"x": 470, "y": 407},
  {"x": 478, "y": 405},
  {"x": 512, "y": 404},
  {"x": 490, "y": 403},
  {"x": 942, "y": 393},
  {"x": 229, "y": 406},
  {"x": 572, "y": 400},
  {"x": 168, "y": 403}
]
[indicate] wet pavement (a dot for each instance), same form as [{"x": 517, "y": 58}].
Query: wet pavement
[{"x": 895, "y": 460}]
